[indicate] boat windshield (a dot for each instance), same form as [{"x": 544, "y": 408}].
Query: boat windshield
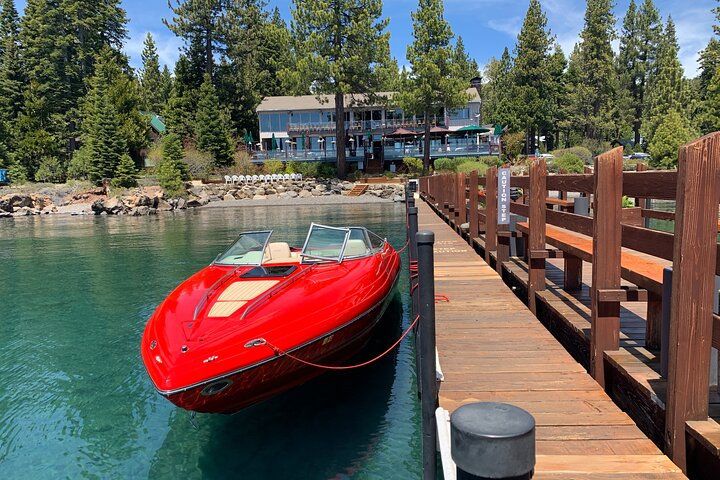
[
  {"x": 337, "y": 244},
  {"x": 248, "y": 249}
]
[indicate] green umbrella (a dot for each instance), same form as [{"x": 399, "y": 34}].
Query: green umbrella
[
  {"x": 250, "y": 137},
  {"x": 273, "y": 142},
  {"x": 302, "y": 141},
  {"x": 498, "y": 129},
  {"x": 471, "y": 129}
]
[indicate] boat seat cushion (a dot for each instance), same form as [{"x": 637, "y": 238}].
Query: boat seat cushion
[
  {"x": 277, "y": 250},
  {"x": 355, "y": 248}
]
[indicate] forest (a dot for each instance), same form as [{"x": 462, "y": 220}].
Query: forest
[{"x": 71, "y": 106}]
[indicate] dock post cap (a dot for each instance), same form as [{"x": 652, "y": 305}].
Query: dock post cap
[
  {"x": 424, "y": 237},
  {"x": 412, "y": 210},
  {"x": 493, "y": 440}
]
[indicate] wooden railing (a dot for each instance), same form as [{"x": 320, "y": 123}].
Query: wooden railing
[{"x": 693, "y": 250}]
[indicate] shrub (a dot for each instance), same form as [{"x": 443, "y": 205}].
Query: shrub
[
  {"x": 155, "y": 153},
  {"x": 170, "y": 179},
  {"x": 568, "y": 162},
  {"x": 79, "y": 165},
  {"x": 172, "y": 151},
  {"x": 583, "y": 152},
  {"x": 17, "y": 173},
  {"x": 447, "y": 164},
  {"x": 327, "y": 170},
  {"x": 627, "y": 203},
  {"x": 292, "y": 167},
  {"x": 50, "y": 170},
  {"x": 596, "y": 146},
  {"x": 473, "y": 166},
  {"x": 200, "y": 164},
  {"x": 513, "y": 145},
  {"x": 273, "y": 166},
  {"x": 125, "y": 173},
  {"x": 669, "y": 136},
  {"x": 414, "y": 165},
  {"x": 243, "y": 164},
  {"x": 492, "y": 161},
  {"x": 307, "y": 169}
]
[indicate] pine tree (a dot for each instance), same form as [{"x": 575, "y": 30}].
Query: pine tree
[
  {"x": 665, "y": 91},
  {"x": 468, "y": 66},
  {"x": 557, "y": 98},
  {"x": 11, "y": 68},
  {"x": 671, "y": 133},
  {"x": 200, "y": 24},
  {"x": 151, "y": 79},
  {"x": 173, "y": 152},
  {"x": 576, "y": 93},
  {"x": 125, "y": 175},
  {"x": 211, "y": 131},
  {"x": 598, "y": 74},
  {"x": 436, "y": 81},
  {"x": 498, "y": 94},
  {"x": 103, "y": 140},
  {"x": 531, "y": 76},
  {"x": 339, "y": 45}
]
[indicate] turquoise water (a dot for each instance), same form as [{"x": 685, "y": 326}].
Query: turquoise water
[{"x": 75, "y": 401}]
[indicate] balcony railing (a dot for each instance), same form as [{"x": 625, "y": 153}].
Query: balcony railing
[{"x": 360, "y": 126}]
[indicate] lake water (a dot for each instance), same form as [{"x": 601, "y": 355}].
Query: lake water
[{"x": 75, "y": 401}]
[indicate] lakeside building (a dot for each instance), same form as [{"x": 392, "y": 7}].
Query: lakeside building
[{"x": 378, "y": 135}]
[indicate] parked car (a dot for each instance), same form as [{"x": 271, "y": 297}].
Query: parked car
[{"x": 640, "y": 156}]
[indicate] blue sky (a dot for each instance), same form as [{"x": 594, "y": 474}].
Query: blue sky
[{"x": 487, "y": 26}]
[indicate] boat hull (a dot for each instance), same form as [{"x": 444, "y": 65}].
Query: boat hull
[{"x": 280, "y": 373}]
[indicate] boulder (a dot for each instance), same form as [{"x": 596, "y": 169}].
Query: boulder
[
  {"x": 228, "y": 197},
  {"x": 259, "y": 197},
  {"x": 114, "y": 205},
  {"x": 6, "y": 207},
  {"x": 164, "y": 206},
  {"x": 292, "y": 194},
  {"x": 181, "y": 204},
  {"x": 98, "y": 207},
  {"x": 20, "y": 201},
  {"x": 305, "y": 194}
]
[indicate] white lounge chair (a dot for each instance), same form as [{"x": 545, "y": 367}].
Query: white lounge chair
[
  {"x": 274, "y": 177},
  {"x": 228, "y": 179},
  {"x": 299, "y": 176},
  {"x": 241, "y": 178},
  {"x": 293, "y": 177},
  {"x": 286, "y": 176},
  {"x": 255, "y": 178},
  {"x": 235, "y": 179}
]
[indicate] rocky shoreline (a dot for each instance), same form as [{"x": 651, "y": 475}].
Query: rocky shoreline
[{"x": 152, "y": 199}]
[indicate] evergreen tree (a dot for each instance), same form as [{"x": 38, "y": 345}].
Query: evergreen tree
[
  {"x": 531, "y": 75},
  {"x": 665, "y": 91},
  {"x": 212, "y": 133},
  {"x": 125, "y": 175},
  {"x": 468, "y": 67},
  {"x": 597, "y": 68},
  {"x": 103, "y": 140},
  {"x": 557, "y": 98},
  {"x": 629, "y": 71},
  {"x": 11, "y": 68},
  {"x": 173, "y": 152},
  {"x": 170, "y": 179},
  {"x": 671, "y": 133},
  {"x": 436, "y": 81},
  {"x": 151, "y": 79},
  {"x": 576, "y": 93},
  {"x": 499, "y": 104},
  {"x": 339, "y": 45},
  {"x": 200, "y": 24}
]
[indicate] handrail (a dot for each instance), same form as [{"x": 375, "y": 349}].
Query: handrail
[{"x": 212, "y": 289}]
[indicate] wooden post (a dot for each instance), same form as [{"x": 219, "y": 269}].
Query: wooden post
[
  {"x": 572, "y": 272},
  {"x": 605, "y": 321},
  {"x": 473, "y": 205},
  {"x": 536, "y": 239},
  {"x": 491, "y": 206},
  {"x": 694, "y": 257},
  {"x": 460, "y": 203}
]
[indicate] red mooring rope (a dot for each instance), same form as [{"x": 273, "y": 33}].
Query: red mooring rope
[{"x": 280, "y": 352}]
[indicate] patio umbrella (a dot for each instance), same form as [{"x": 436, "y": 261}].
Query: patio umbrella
[
  {"x": 472, "y": 129},
  {"x": 439, "y": 131},
  {"x": 273, "y": 143},
  {"x": 302, "y": 140},
  {"x": 250, "y": 137},
  {"x": 401, "y": 133}
]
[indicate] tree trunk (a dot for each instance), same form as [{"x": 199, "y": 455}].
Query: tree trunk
[
  {"x": 426, "y": 145},
  {"x": 340, "y": 135},
  {"x": 208, "y": 52}
]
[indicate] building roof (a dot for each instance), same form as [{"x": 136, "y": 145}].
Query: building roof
[{"x": 325, "y": 102}]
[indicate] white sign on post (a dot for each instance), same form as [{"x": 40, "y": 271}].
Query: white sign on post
[{"x": 503, "y": 196}]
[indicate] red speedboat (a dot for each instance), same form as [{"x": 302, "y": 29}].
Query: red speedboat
[{"x": 240, "y": 330}]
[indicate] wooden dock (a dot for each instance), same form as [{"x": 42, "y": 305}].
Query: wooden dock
[{"x": 492, "y": 348}]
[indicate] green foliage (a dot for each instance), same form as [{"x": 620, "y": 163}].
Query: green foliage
[
  {"x": 273, "y": 166},
  {"x": 80, "y": 164},
  {"x": 627, "y": 202},
  {"x": 491, "y": 161},
  {"x": 498, "y": 101},
  {"x": 17, "y": 173},
  {"x": 173, "y": 152},
  {"x": 326, "y": 170},
  {"x": 447, "y": 164},
  {"x": 125, "y": 173},
  {"x": 151, "y": 80},
  {"x": 568, "y": 163},
  {"x": 11, "y": 66},
  {"x": 437, "y": 79},
  {"x": 583, "y": 152},
  {"x": 199, "y": 164},
  {"x": 472, "y": 166},
  {"x": 170, "y": 179},
  {"x": 103, "y": 140},
  {"x": 50, "y": 171},
  {"x": 513, "y": 144},
  {"x": 243, "y": 163},
  {"x": 669, "y": 136},
  {"x": 346, "y": 61},
  {"x": 212, "y": 133},
  {"x": 292, "y": 167},
  {"x": 414, "y": 165},
  {"x": 308, "y": 169},
  {"x": 154, "y": 154}
]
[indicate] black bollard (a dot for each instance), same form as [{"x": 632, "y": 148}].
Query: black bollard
[
  {"x": 492, "y": 440},
  {"x": 409, "y": 198},
  {"x": 414, "y": 292},
  {"x": 665, "y": 326},
  {"x": 413, "y": 230},
  {"x": 427, "y": 374}
]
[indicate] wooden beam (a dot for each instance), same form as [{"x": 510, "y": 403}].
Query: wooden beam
[
  {"x": 622, "y": 295},
  {"x": 605, "y": 320},
  {"x": 473, "y": 206},
  {"x": 546, "y": 253},
  {"x": 716, "y": 332},
  {"x": 491, "y": 207},
  {"x": 536, "y": 237},
  {"x": 691, "y": 315}
]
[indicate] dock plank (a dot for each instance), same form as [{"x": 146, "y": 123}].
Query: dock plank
[{"x": 492, "y": 348}]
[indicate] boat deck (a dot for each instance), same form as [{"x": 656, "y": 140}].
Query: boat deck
[{"x": 492, "y": 348}]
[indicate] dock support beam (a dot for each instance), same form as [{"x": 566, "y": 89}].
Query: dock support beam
[{"x": 428, "y": 378}]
